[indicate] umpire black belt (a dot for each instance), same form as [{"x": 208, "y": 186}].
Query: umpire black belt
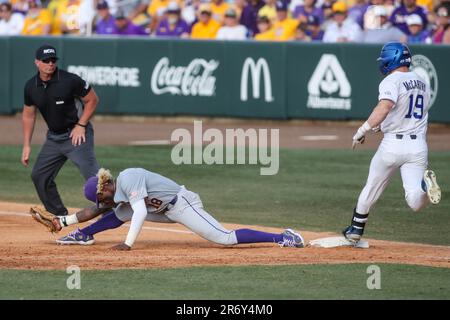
[{"x": 61, "y": 131}]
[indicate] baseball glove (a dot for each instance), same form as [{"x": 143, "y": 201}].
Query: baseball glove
[{"x": 47, "y": 219}]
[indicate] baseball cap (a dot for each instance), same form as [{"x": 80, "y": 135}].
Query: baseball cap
[
  {"x": 414, "y": 19},
  {"x": 263, "y": 19},
  {"x": 173, "y": 7},
  {"x": 120, "y": 15},
  {"x": 90, "y": 189},
  {"x": 380, "y": 11},
  {"x": 102, "y": 5},
  {"x": 313, "y": 20},
  {"x": 45, "y": 52},
  {"x": 339, "y": 7},
  {"x": 204, "y": 7},
  {"x": 231, "y": 13},
  {"x": 281, "y": 6},
  {"x": 442, "y": 12}
]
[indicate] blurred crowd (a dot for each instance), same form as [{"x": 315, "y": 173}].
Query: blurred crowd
[{"x": 362, "y": 21}]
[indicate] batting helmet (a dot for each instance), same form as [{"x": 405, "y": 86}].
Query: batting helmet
[{"x": 394, "y": 55}]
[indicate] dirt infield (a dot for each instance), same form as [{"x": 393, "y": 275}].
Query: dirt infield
[
  {"x": 27, "y": 245},
  {"x": 293, "y": 134}
]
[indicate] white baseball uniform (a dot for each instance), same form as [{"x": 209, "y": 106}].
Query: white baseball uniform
[{"x": 404, "y": 144}]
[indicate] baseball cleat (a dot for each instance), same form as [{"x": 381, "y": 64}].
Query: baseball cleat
[
  {"x": 292, "y": 239},
  {"x": 353, "y": 234},
  {"x": 76, "y": 237},
  {"x": 433, "y": 190}
]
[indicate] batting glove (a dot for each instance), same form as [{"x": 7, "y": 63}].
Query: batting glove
[{"x": 360, "y": 135}]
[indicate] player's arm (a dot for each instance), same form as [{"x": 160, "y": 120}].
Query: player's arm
[
  {"x": 28, "y": 121},
  {"x": 380, "y": 113},
  {"x": 81, "y": 216},
  {"x": 90, "y": 101},
  {"x": 137, "y": 221},
  {"x": 377, "y": 116},
  {"x": 141, "y": 8}
]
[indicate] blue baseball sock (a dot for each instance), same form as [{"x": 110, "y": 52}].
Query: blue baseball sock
[
  {"x": 108, "y": 221},
  {"x": 253, "y": 236}
]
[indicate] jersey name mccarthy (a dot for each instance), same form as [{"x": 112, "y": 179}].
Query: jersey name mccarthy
[{"x": 411, "y": 96}]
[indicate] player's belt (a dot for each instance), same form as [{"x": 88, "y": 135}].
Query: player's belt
[
  {"x": 400, "y": 136},
  {"x": 174, "y": 200}
]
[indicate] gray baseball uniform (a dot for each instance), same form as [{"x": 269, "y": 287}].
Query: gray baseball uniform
[
  {"x": 135, "y": 184},
  {"x": 167, "y": 202}
]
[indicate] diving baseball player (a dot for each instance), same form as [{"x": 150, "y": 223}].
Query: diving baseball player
[
  {"x": 138, "y": 195},
  {"x": 402, "y": 114}
]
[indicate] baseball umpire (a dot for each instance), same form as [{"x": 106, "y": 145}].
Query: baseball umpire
[{"x": 66, "y": 103}]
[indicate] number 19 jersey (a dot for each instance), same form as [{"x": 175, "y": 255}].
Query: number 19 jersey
[{"x": 411, "y": 95}]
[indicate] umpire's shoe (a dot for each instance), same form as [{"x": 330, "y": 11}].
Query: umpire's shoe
[
  {"x": 431, "y": 187},
  {"x": 353, "y": 234},
  {"x": 76, "y": 237}
]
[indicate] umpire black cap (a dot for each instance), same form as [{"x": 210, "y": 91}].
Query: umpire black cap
[{"x": 45, "y": 52}]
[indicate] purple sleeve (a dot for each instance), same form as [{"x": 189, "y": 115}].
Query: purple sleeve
[
  {"x": 423, "y": 15},
  {"x": 136, "y": 30},
  {"x": 319, "y": 13},
  {"x": 100, "y": 28},
  {"x": 249, "y": 17},
  {"x": 392, "y": 17},
  {"x": 297, "y": 11}
]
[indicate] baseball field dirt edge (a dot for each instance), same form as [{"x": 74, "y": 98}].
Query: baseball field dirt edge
[{"x": 31, "y": 247}]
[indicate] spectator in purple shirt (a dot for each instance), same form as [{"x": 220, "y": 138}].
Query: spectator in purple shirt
[
  {"x": 314, "y": 29},
  {"x": 308, "y": 8},
  {"x": 249, "y": 16},
  {"x": 105, "y": 23},
  {"x": 173, "y": 25},
  {"x": 123, "y": 26},
  {"x": 408, "y": 7}
]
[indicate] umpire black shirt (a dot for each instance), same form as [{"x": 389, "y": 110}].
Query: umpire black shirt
[{"x": 58, "y": 100}]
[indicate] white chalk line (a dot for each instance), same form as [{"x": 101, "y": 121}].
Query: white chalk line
[
  {"x": 319, "y": 138},
  {"x": 149, "y": 143},
  {"x": 21, "y": 214}
]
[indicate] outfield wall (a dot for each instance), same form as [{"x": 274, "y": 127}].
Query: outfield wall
[{"x": 230, "y": 79}]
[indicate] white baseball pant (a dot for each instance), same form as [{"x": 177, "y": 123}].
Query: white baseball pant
[{"x": 411, "y": 156}]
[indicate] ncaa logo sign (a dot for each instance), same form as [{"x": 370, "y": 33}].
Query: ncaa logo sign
[
  {"x": 426, "y": 70},
  {"x": 256, "y": 70}
]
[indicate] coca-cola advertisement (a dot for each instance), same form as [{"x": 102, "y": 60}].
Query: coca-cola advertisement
[{"x": 195, "y": 79}]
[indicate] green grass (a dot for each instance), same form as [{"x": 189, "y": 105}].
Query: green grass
[
  {"x": 252, "y": 282},
  {"x": 314, "y": 190}
]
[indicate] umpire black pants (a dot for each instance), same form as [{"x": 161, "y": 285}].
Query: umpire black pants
[{"x": 54, "y": 153}]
